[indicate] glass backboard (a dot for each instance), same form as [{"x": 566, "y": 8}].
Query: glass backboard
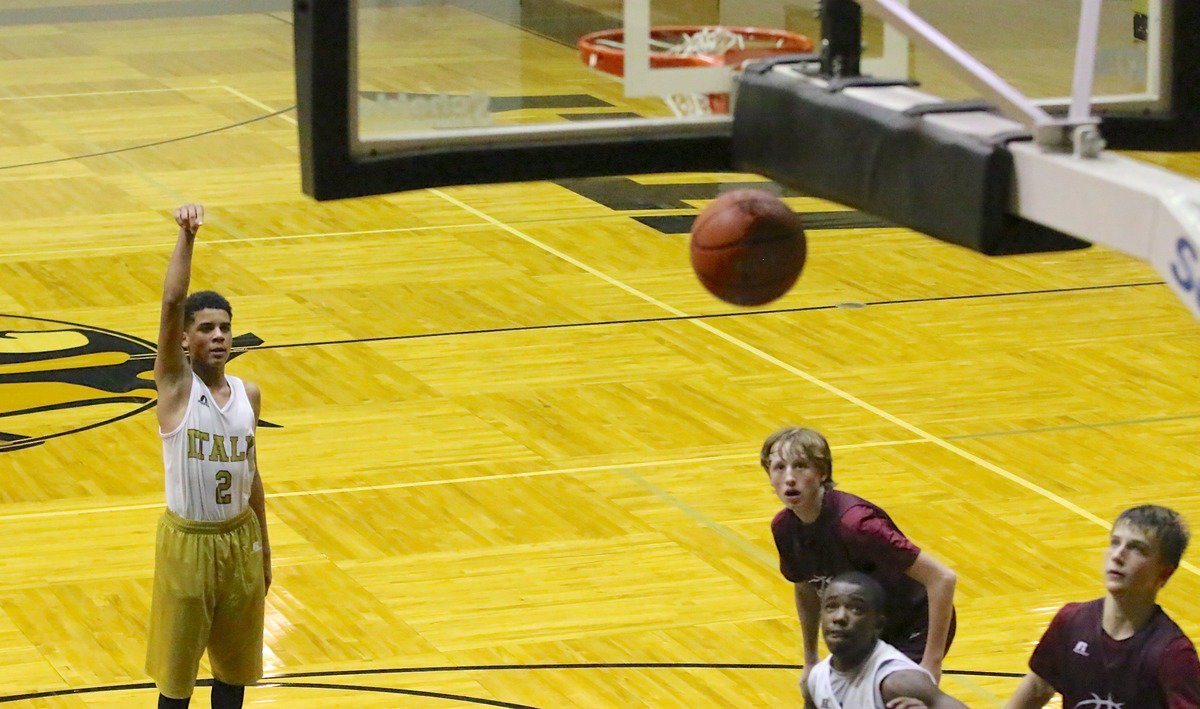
[{"x": 463, "y": 91}]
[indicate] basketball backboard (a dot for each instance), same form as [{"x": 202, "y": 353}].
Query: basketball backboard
[
  {"x": 403, "y": 94},
  {"x": 397, "y": 94}
]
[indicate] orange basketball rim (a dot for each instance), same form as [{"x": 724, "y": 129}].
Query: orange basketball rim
[{"x": 605, "y": 50}]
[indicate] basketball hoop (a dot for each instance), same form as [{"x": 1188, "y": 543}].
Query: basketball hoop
[{"x": 682, "y": 46}]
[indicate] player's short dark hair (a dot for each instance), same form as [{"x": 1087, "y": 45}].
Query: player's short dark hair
[
  {"x": 809, "y": 440},
  {"x": 1165, "y": 524},
  {"x": 872, "y": 591},
  {"x": 202, "y": 299}
]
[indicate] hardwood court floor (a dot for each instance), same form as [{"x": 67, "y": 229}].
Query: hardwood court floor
[{"x": 515, "y": 460}]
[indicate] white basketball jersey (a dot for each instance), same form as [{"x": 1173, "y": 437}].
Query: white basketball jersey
[
  {"x": 832, "y": 690},
  {"x": 207, "y": 458}
]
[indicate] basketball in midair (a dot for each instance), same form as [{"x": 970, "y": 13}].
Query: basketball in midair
[{"x": 748, "y": 247}]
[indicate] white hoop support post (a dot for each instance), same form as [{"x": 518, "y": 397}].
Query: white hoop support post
[{"x": 1085, "y": 61}]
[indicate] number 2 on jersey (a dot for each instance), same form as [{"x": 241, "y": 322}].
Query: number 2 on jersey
[{"x": 224, "y": 482}]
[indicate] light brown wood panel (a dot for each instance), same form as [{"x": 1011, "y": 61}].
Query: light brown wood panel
[{"x": 514, "y": 430}]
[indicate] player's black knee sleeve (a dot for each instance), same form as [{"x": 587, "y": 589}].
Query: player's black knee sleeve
[{"x": 165, "y": 702}]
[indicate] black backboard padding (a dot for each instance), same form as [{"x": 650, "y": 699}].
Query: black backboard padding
[{"x": 946, "y": 184}]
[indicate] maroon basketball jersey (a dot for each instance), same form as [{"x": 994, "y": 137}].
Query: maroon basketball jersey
[
  {"x": 852, "y": 534},
  {"x": 1155, "y": 667}
]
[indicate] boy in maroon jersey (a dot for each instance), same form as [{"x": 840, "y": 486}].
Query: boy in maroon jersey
[
  {"x": 825, "y": 532},
  {"x": 1120, "y": 651}
]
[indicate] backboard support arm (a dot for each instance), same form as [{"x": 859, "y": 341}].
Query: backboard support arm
[{"x": 1048, "y": 131}]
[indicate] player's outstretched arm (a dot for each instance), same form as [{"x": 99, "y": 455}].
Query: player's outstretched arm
[
  {"x": 912, "y": 689},
  {"x": 939, "y": 581},
  {"x": 808, "y": 608},
  {"x": 172, "y": 374},
  {"x": 1032, "y": 693}
]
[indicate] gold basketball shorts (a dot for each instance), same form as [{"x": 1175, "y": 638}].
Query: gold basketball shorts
[{"x": 208, "y": 593}]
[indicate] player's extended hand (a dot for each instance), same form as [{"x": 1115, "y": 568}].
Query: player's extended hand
[
  {"x": 906, "y": 703},
  {"x": 189, "y": 217}
]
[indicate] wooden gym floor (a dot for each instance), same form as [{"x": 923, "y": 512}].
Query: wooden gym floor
[{"x": 514, "y": 461}]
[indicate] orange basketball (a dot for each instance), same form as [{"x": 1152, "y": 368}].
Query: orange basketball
[{"x": 748, "y": 247}]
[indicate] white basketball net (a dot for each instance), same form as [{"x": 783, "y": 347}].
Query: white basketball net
[
  {"x": 689, "y": 104},
  {"x": 709, "y": 41}
]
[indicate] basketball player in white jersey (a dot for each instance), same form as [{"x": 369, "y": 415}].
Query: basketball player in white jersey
[
  {"x": 862, "y": 671},
  {"x": 212, "y": 562}
]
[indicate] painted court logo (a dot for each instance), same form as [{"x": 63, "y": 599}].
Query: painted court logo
[{"x": 58, "y": 378}]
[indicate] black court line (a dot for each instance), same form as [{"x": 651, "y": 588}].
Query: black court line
[
  {"x": 60, "y": 406},
  {"x": 410, "y": 692},
  {"x": 24, "y": 442},
  {"x": 273, "y": 680},
  {"x": 709, "y": 316},
  {"x": 308, "y": 685},
  {"x": 159, "y": 10},
  {"x": 149, "y": 145},
  {"x": 600, "y": 666},
  {"x": 163, "y": 9},
  {"x": 1072, "y": 427}
]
